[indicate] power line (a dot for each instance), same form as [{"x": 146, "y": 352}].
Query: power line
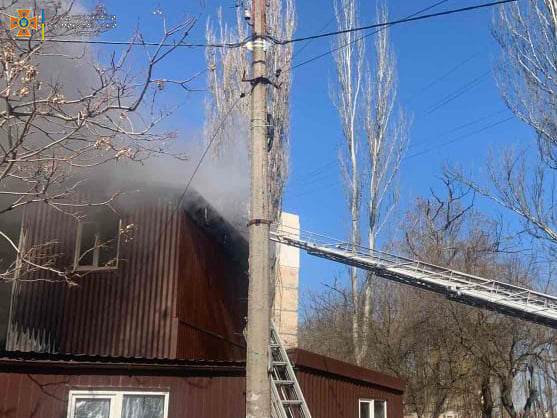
[
  {"x": 207, "y": 148},
  {"x": 458, "y": 92},
  {"x": 443, "y": 76},
  {"x": 330, "y": 51},
  {"x": 394, "y": 22},
  {"x": 460, "y": 127},
  {"x": 459, "y": 138},
  {"x": 196, "y": 169},
  {"x": 239, "y": 44},
  {"x": 322, "y": 173},
  {"x": 304, "y": 46},
  {"x": 327, "y": 184},
  {"x": 134, "y": 41}
]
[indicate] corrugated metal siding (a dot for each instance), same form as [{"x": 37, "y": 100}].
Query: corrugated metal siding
[
  {"x": 333, "y": 397},
  {"x": 208, "y": 395},
  {"x": 212, "y": 293},
  {"x": 186, "y": 299},
  {"x": 46, "y": 395},
  {"x": 128, "y": 312}
]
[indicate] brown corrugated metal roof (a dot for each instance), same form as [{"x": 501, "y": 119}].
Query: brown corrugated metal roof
[
  {"x": 306, "y": 359},
  {"x": 300, "y": 358},
  {"x": 24, "y": 359}
]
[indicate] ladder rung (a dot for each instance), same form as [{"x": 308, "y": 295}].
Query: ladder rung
[
  {"x": 288, "y": 399},
  {"x": 283, "y": 382}
]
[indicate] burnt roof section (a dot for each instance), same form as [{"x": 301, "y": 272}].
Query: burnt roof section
[
  {"x": 233, "y": 239},
  {"x": 328, "y": 366},
  {"x": 221, "y": 230}
]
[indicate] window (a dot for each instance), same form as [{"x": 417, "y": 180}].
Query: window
[
  {"x": 101, "y": 404},
  {"x": 373, "y": 408},
  {"x": 97, "y": 244}
]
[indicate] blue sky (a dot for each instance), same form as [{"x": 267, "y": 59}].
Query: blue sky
[{"x": 445, "y": 82}]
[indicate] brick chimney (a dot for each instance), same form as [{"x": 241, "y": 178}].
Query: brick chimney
[{"x": 285, "y": 306}]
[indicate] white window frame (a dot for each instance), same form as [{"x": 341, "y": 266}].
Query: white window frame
[
  {"x": 116, "y": 400},
  {"x": 371, "y": 406},
  {"x": 96, "y": 250}
]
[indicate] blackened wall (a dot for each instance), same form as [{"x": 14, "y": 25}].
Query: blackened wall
[{"x": 179, "y": 291}]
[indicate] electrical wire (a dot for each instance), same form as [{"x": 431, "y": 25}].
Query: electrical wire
[
  {"x": 459, "y": 138},
  {"x": 458, "y": 92},
  {"x": 196, "y": 169},
  {"x": 442, "y": 77},
  {"x": 339, "y": 47},
  {"x": 322, "y": 172},
  {"x": 328, "y": 184},
  {"x": 304, "y": 46},
  {"x": 394, "y": 22},
  {"x": 135, "y": 41},
  {"x": 239, "y": 44}
]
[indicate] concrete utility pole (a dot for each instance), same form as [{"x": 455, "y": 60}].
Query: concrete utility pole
[{"x": 258, "y": 389}]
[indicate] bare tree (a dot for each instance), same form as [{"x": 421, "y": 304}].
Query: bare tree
[
  {"x": 527, "y": 74},
  {"x": 365, "y": 98},
  {"x": 493, "y": 349},
  {"x": 228, "y": 78},
  {"x": 349, "y": 62},
  {"x": 527, "y": 78},
  {"x": 453, "y": 357},
  {"x": 56, "y": 126},
  {"x": 386, "y": 132}
]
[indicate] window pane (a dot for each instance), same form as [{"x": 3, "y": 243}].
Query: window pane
[
  {"x": 92, "y": 408},
  {"x": 87, "y": 247},
  {"x": 143, "y": 406},
  {"x": 108, "y": 240},
  {"x": 379, "y": 409},
  {"x": 5, "y": 303},
  {"x": 365, "y": 410}
]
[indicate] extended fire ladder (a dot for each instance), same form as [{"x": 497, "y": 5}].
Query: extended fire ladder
[
  {"x": 495, "y": 295},
  {"x": 287, "y": 398}
]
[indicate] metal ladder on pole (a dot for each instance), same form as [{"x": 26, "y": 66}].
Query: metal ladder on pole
[
  {"x": 499, "y": 296},
  {"x": 287, "y": 398}
]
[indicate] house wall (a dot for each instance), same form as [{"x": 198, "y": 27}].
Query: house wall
[
  {"x": 129, "y": 312},
  {"x": 186, "y": 299},
  {"x": 212, "y": 296},
  {"x": 330, "y": 396},
  {"x": 39, "y": 395},
  {"x": 207, "y": 393}
]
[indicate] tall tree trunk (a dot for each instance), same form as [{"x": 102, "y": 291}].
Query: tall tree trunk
[
  {"x": 386, "y": 143},
  {"x": 346, "y": 98},
  {"x": 487, "y": 398},
  {"x": 506, "y": 384}
]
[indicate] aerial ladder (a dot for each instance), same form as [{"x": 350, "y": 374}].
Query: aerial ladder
[
  {"x": 505, "y": 298},
  {"x": 494, "y": 295}
]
